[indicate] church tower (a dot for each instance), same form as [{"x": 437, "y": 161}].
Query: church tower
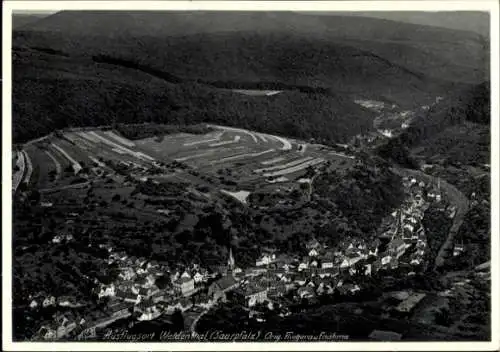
[{"x": 230, "y": 260}]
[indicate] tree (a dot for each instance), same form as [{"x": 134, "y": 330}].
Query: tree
[
  {"x": 177, "y": 320},
  {"x": 443, "y": 317},
  {"x": 116, "y": 198},
  {"x": 163, "y": 282}
]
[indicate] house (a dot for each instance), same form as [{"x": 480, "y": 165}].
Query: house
[
  {"x": 409, "y": 304},
  {"x": 185, "y": 275},
  {"x": 66, "y": 301},
  {"x": 127, "y": 273},
  {"x": 107, "y": 290},
  {"x": 350, "y": 260},
  {"x": 198, "y": 277},
  {"x": 368, "y": 269},
  {"x": 313, "y": 252},
  {"x": 321, "y": 289},
  {"x": 300, "y": 280},
  {"x": 175, "y": 276},
  {"x": 304, "y": 264},
  {"x": 328, "y": 272},
  {"x": 286, "y": 278},
  {"x": 64, "y": 326},
  {"x": 158, "y": 296},
  {"x": 141, "y": 261},
  {"x": 49, "y": 301},
  {"x": 348, "y": 289},
  {"x": 252, "y": 294},
  {"x": 120, "y": 309},
  {"x": 396, "y": 248},
  {"x": 184, "y": 285},
  {"x": 128, "y": 296},
  {"x": 277, "y": 290},
  {"x": 381, "y": 335},
  {"x": 149, "y": 314},
  {"x": 306, "y": 292},
  {"x": 218, "y": 289},
  {"x": 47, "y": 332},
  {"x": 313, "y": 264},
  {"x": 150, "y": 280},
  {"x": 458, "y": 249},
  {"x": 327, "y": 261},
  {"x": 33, "y": 304},
  {"x": 265, "y": 259},
  {"x": 313, "y": 244}
]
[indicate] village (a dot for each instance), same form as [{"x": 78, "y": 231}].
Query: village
[{"x": 146, "y": 290}]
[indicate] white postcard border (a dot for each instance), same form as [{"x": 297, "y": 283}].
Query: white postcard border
[{"x": 477, "y": 5}]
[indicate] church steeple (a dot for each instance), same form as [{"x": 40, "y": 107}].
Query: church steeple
[{"x": 230, "y": 260}]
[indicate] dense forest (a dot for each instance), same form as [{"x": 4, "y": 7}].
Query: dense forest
[
  {"x": 456, "y": 130},
  {"x": 115, "y": 94}
]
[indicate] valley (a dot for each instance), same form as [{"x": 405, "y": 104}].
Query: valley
[{"x": 180, "y": 172}]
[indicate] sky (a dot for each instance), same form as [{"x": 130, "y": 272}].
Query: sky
[{"x": 477, "y": 22}]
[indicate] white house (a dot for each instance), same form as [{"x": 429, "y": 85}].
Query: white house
[
  {"x": 368, "y": 269},
  {"x": 350, "y": 261},
  {"x": 304, "y": 264},
  {"x": 198, "y": 277},
  {"x": 266, "y": 259},
  {"x": 313, "y": 252},
  {"x": 185, "y": 275},
  {"x": 107, "y": 290},
  {"x": 386, "y": 260},
  {"x": 49, "y": 301}
]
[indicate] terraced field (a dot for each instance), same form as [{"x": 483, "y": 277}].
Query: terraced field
[{"x": 228, "y": 158}]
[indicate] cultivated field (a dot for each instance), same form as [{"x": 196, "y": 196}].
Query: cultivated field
[{"x": 227, "y": 159}]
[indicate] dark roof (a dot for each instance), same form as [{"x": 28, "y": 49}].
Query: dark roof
[
  {"x": 250, "y": 290},
  {"x": 396, "y": 243},
  {"x": 225, "y": 282},
  {"x": 182, "y": 280},
  {"x": 125, "y": 294},
  {"x": 119, "y": 306}
]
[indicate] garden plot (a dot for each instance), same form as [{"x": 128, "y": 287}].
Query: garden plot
[
  {"x": 218, "y": 144},
  {"x": 17, "y": 176},
  {"x": 286, "y": 144},
  {"x": 120, "y": 139},
  {"x": 237, "y": 130},
  {"x": 28, "y": 168},
  {"x": 284, "y": 166},
  {"x": 214, "y": 156},
  {"x": 74, "y": 164},
  {"x": 57, "y": 164},
  {"x": 209, "y": 138},
  {"x": 44, "y": 163},
  {"x": 273, "y": 161},
  {"x": 238, "y": 157},
  {"x": 171, "y": 146},
  {"x": 295, "y": 168},
  {"x": 116, "y": 147}
]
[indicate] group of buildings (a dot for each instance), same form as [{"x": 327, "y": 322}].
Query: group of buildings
[{"x": 146, "y": 289}]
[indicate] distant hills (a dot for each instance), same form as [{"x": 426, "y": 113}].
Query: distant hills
[
  {"x": 316, "y": 56},
  {"x": 22, "y": 19}
]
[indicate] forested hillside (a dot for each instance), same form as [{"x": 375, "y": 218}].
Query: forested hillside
[
  {"x": 456, "y": 130},
  {"x": 52, "y": 92}
]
